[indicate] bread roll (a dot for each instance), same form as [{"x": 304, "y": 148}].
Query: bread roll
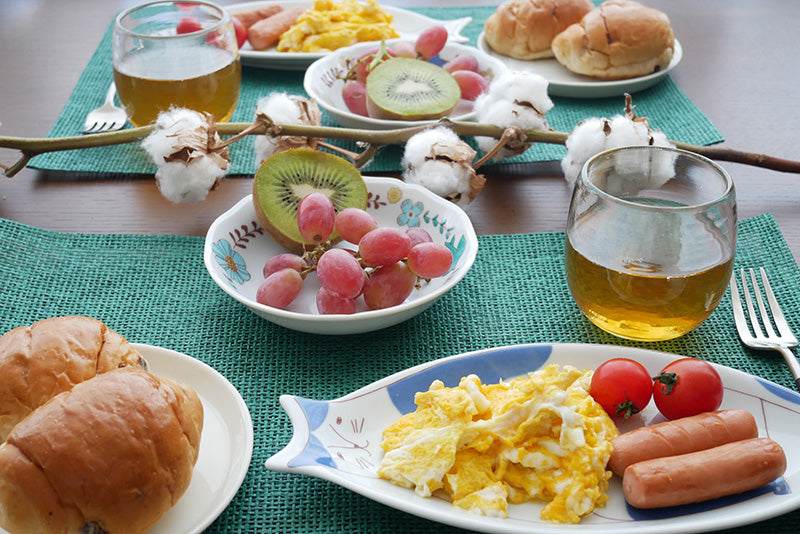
[
  {"x": 115, "y": 452},
  {"x": 40, "y": 361},
  {"x": 524, "y": 29},
  {"x": 619, "y": 39}
]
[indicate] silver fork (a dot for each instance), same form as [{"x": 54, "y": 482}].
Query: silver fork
[
  {"x": 783, "y": 340},
  {"x": 107, "y": 117}
]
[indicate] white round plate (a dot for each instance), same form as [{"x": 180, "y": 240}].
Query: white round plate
[
  {"x": 236, "y": 238},
  {"x": 408, "y": 25},
  {"x": 226, "y": 444},
  {"x": 565, "y": 83},
  {"x": 339, "y": 441},
  {"x": 323, "y": 85}
]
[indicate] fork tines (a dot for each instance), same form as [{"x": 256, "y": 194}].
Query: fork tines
[{"x": 775, "y": 309}]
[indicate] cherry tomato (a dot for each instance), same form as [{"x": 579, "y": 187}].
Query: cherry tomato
[
  {"x": 241, "y": 31},
  {"x": 622, "y": 387},
  {"x": 687, "y": 387},
  {"x": 188, "y": 25}
]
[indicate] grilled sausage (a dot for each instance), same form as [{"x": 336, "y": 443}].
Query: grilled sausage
[
  {"x": 681, "y": 436},
  {"x": 251, "y": 16},
  {"x": 703, "y": 475},
  {"x": 267, "y": 32}
]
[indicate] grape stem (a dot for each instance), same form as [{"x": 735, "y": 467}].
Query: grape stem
[{"x": 372, "y": 140}]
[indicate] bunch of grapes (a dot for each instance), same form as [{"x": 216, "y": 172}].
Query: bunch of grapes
[
  {"x": 429, "y": 43},
  {"x": 387, "y": 266}
]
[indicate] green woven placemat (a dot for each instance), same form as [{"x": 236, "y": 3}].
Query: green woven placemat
[
  {"x": 665, "y": 105},
  {"x": 155, "y": 290}
]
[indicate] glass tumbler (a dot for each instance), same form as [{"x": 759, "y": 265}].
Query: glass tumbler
[
  {"x": 650, "y": 241},
  {"x": 181, "y": 54}
]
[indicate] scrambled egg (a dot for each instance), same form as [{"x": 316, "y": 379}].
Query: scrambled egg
[
  {"x": 537, "y": 437},
  {"x": 329, "y": 25}
]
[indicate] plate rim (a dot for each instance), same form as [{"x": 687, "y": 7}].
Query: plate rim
[
  {"x": 582, "y": 89},
  {"x": 207, "y": 516},
  {"x": 494, "y": 525}
]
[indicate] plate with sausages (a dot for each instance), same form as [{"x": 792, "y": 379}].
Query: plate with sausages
[
  {"x": 408, "y": 25},
  {"x": 763, "y": 418}
]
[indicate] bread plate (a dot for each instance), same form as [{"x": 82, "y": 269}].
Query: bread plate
[
  {"x": 226, "y": 444},
  {"x": 339, "y": 441},
  {"x": 407, "y": 23},
  {"x": 565, "y": 83}
]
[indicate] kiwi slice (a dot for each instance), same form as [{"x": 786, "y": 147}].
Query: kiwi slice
[
  {"x": 287, "y": 177},
  {"x": 410, "y": 89}
]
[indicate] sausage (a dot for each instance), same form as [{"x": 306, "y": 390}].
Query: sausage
[
  {"x": 681, "y": 436},
  {"x": 267, "y": 32},
  {"x": 253, "y": 15},
  {"x": 703, "y": 475}
]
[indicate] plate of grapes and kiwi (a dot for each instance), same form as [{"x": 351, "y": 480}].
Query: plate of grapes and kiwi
[
  {"x": 387, "y": 85},
  {"x": 385, "y": 252}
]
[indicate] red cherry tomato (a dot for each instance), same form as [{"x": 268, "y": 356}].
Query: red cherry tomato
[
  {"x": 188, "y": 25},
  {"x": 622, "y": 387},
  {"x": 687, "y": 387},
  {"x": 241, "y": 32}
]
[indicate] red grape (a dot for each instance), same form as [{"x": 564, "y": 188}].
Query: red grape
[
  {"x": 431, "y": 41},
  {"x": 316, "y": 217},
  {"x": 354, "y": 94},
  {"x": 340, "y": 273},
  {"x": 328, "y": 303},
  {"x": 280, "y": 288},
  {"x": 353, "y": 223},
  {"x": 284, "y": 261},
  {"x": 389, "y": 286},
  {"x": 188, "y": 25},
  {"x": 404, "y": 49},
  {"x": 365, "y": 60},
  {"x": 384, "y": 246},
  {"x": 429, "y": 260},
  {"x": 418, "y": 235},
  {"x": 465, "y": 62},
  {"x": 471, "y": 83}
]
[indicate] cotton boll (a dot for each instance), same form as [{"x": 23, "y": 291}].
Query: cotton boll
[
  {"x": 162, "y": 141},
  {"x": 514, "y": 98},
  {"x": 286, "y": 109},
  {"x": 429, "y": 143},
  {"x": 586, "y": 140},
  {"x": 444, "y": 179},
  {"x": 188, "y": 183}
]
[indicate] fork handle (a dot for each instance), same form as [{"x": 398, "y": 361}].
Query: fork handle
[
  {"x": 794, "y": 365},
  {"x": 112, "y": 91}
]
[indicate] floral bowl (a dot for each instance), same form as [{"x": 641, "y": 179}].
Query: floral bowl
[
  {"x": 323, "y": 84},
  {"x": 237, "y": 247}
]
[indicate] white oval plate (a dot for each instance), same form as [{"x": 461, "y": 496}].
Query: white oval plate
[
  {"x": 565, "y": 83},
  {"x": 236, "y": 237},
  {"x": 339, "y": 441},
  {"x": 408, "y": 25},
  {"x": 323, "y": 85},
  {"x": 226, "y": 443}
]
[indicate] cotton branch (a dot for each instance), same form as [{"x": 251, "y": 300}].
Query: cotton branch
[{"x": 31, "y": 147}]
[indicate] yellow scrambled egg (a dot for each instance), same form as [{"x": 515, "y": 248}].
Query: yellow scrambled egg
[
  {"x": 539, "y": 437},
  {"x": 330, "y": 25}
]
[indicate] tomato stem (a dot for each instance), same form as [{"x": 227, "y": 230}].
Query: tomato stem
[{"x": 668, "y": 381}]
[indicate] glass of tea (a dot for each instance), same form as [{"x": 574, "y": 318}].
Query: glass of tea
[
  {"x": 175, "y": 54},
  {"x": 650, "y": 241}
]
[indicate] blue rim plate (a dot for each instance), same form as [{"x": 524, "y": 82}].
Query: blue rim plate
[{"x": 339, "y": 441}]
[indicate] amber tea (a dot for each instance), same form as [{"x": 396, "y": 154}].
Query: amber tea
[
  {"x": 145, "y": 88},
  {"x": 650, "y": 240}
]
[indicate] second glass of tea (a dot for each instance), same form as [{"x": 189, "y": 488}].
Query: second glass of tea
[
  {"x": 650, "y": 241},
  {"x": 175, "y": 54}
]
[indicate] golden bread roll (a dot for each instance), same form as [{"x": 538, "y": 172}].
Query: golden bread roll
[
  {"x": 524, "y": 29},
  {"x": 113, "y": 453},
  {"x": 619, "y": 39},
  {"x": 39, "y": 361}
]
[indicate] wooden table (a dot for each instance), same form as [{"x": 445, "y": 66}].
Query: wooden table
[{"x": 740, "y": 68}]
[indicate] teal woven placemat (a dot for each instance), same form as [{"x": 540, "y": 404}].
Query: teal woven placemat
[
  {"x": 665, "y": 105},
  {"x": 155, "y": 290}
]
